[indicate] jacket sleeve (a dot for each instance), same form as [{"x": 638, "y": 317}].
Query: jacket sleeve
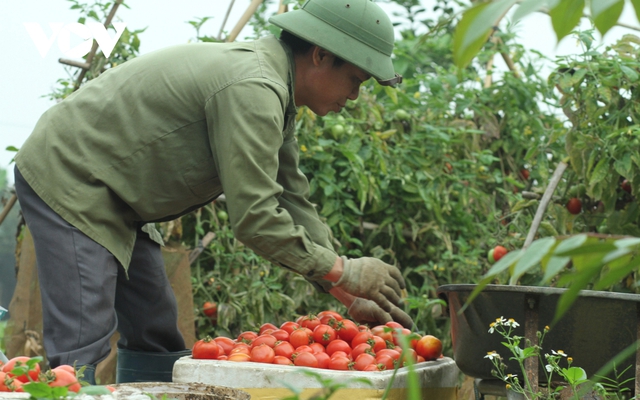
[{"x": 246, "y": 123}]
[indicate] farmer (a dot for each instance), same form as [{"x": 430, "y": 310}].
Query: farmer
[{"x": 168, "y": 132}]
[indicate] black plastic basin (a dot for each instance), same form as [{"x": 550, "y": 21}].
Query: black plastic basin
[{"x": 596, "y": 328}]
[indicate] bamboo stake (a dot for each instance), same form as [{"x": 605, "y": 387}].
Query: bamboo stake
[
  {"x": 282, "y": 8},
  {"x": 8, "y": 207},
  {"x": 226, "y": 17},
  {"x": 488, "y": 78},
  {"x": 94, "y": 48},
  {"x": 546, "y": 198},
  {"x": 244, "y": 19}
]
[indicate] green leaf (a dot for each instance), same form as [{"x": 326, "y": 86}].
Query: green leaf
[
  {"x": 630, "y": 73},
  {"x": 605, "y": 13},
  {"x": 527, "y": 7},
  {"x": 532, "y": 257},
  {"x": 574, "y": 375},
  {"x": 600, "y": 171},
  {"x": 636, "y": 7},
  {"x": 554, "y": 266},
  {"x": 571, "y": 243},
  {"x": 615, "y": 275},
  {"x": 474, "y": 28},
  {"x": 565, "y": 16}
]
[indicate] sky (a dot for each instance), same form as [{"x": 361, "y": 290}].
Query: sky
[{"x": 26, "y": 77}]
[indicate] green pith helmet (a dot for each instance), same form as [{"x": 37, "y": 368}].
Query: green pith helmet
[{"x": 358, "y": 31}]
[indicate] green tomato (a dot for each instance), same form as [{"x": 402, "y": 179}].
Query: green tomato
[
  {"x": 337, "y": 131},
  {"x": 222, "y": 215},
  {"x": 490, "y": 256},
  {"x": 402, "y": 115}
]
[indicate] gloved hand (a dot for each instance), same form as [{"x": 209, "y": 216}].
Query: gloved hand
[
  {"x": 372, "y": 279},
  {"x": 366, "y": 311}
]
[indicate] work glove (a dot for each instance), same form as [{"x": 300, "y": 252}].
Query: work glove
[
  {"x": 372, "y": 279},
  {"x": 366, "y": 311}
]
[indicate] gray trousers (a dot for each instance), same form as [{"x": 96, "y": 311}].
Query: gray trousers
[{"x": 86, "y": 295}]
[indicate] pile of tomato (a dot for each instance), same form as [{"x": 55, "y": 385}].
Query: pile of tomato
[
  {"x": 326, "y": 340},
  {"x": 21, "y": 370}
]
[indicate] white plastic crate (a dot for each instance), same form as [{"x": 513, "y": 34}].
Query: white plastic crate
[{"x": 438, "y": 380}]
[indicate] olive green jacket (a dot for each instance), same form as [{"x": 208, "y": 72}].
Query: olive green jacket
[{"x": 168, "y": 132}]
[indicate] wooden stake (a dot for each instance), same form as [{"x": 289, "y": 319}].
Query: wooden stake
[
  {"x": 226, "y": 17},
  {"x": 244, "y": 19},
  {"x": 94, "y": 48}
]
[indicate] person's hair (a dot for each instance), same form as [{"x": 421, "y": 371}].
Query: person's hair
[{"x": 300, "y": 46}]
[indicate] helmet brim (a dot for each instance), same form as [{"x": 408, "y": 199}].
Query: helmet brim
[{"x": 302, "y": 24}]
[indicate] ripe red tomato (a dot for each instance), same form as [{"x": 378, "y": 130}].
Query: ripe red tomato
[
  {"x": 289, "y": 326},
  {"x": 282, "y": 360},
  {"x": 328, "y": 317},
  {"x": 225, "y": 344},
  {"x": 305, "y": 359},
  {"x": 386, "y": 361},
  {"x": 309, "y": 321},
  {"x": 409, "y": 354},
  {"x": 626, "y": 186},
  {"x": 394, "y": 325},
  {"x": 247, "y": 337},
  {"x": 205, "y": 349},
  {"x": 284, "y": 349},
  {"x": 379, "y": 343},
  {"x": 499, "y": 252},
  {"x": 301, "y": 337},
  {"x": 266, "y": 326},
  {"x": 270, "y": 340},
  {"x": 240, "y": 348},
  {"x": 239, "y": 357},
  {"x": 338, "y": 345},
  {"x": 317, "y": 348},
  {"x": 360, "y": 338},
  {"x": 373, "y": 367},
  {"x": 262, "y": 353},
  {"x": 9, "y": 384},
  {"x": 383, "y": 331},
  {"x": 280, "y": 334},
  {"x": 17, "y": 368},
  {"x": 340, "y": 363},
  {"x": 363, "y": 361},
  {"x": 67, "y": 367},
  {"x": 393, "y": 353},
  {"x": 361, "y": 348},
  {"x": 304, "y": 349},
  {"x": 574, "y": 206},
  {"x": 323, "y": 360},
  {"x": 324, "y": 334},
  {"x": 210, "y": 309},
  {"x": 63, "y": 377},
  {"x": 429, "y": 347},
  {"x": 347, "y": 330}
]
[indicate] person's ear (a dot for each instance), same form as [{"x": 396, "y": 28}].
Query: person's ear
[{"x": 320, "y": 55}]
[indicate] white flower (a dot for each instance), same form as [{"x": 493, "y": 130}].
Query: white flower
[
  {"x": 512, "y": 323},
  {"x": 511, "y": 377},
  {"x": 500, "y": 321},
  {"x": 549, "y": 367},
  {"x": 492, "y": 354},
  {"x": 559, "y": 353},
  {"x": 492, "y": 327}
]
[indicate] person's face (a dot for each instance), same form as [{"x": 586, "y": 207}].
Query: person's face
[{"x": 327, "y": 87}]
